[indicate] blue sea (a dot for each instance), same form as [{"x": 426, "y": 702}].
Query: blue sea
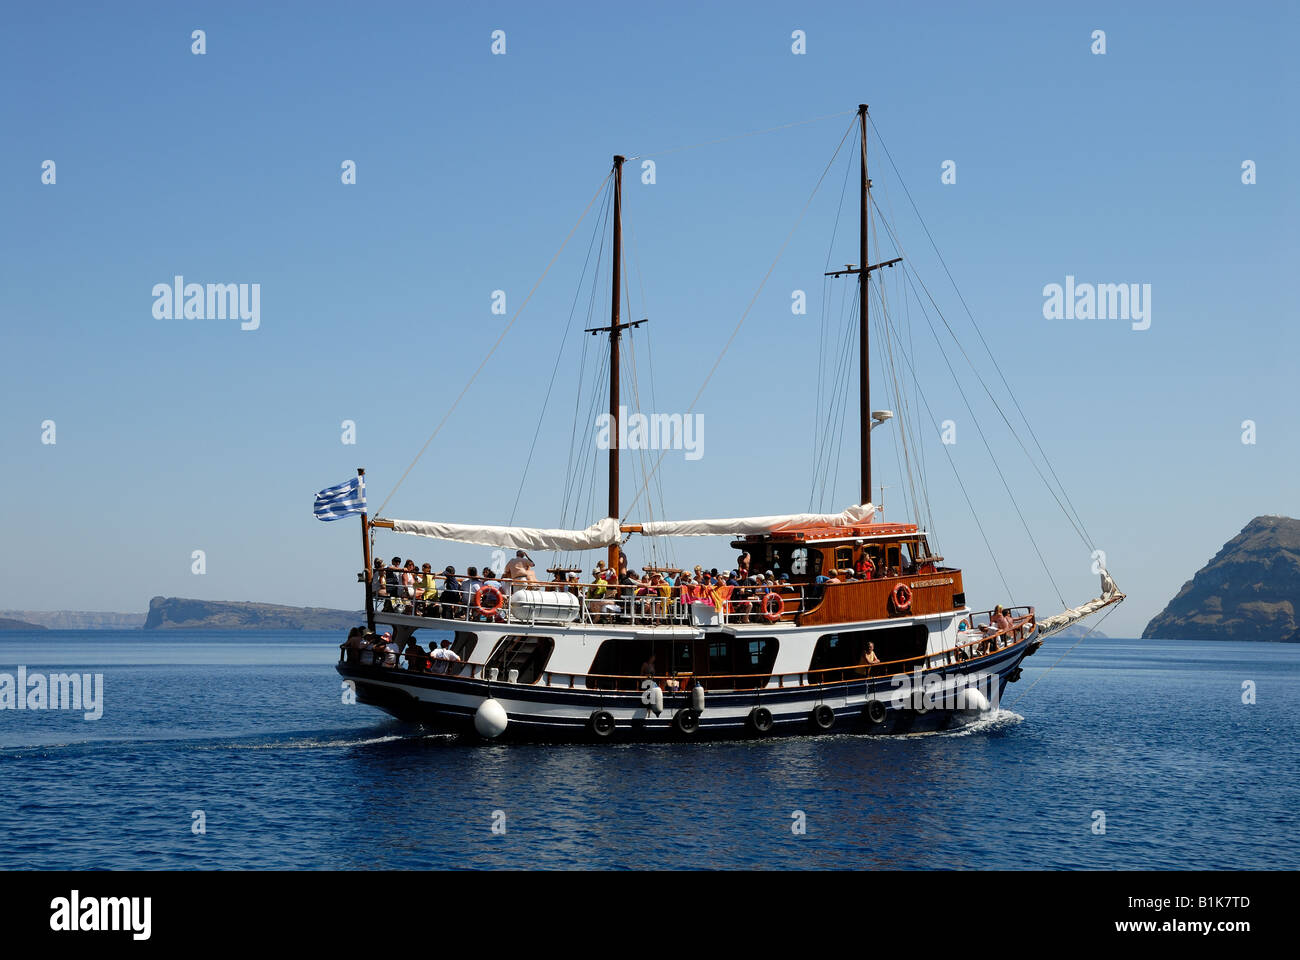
[{"x": 1127, "y": 754}]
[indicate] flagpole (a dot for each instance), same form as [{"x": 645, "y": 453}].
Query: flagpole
[{"x": 365, "y": 553}]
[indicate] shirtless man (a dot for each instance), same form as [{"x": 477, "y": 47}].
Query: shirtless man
[{"x": 520, "y": 568}]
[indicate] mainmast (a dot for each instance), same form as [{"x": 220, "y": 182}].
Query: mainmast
[
  {"x": 864, "y": 354},
  {"x": 866, "y": 420},
  {"x": 614, "y": 331}
]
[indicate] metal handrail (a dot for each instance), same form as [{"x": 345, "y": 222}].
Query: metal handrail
[{"x": 633, "y": 606}]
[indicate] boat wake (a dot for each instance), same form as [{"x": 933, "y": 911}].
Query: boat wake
[
  {"x": 994, "y": 721},
  {"x": 308, "y": 742}
]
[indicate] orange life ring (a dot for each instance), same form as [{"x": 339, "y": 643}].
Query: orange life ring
[
  {"x": 901, "y": 598},
  {"x": 493, "y": 591},
  {"x": 772, "y": 611}
]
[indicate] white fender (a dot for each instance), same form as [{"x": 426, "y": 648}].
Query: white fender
[
  {"x": 697, "y": 698},
  {"x": 490, "y": 719},
  {"x": 652, "y": 696},
  {"x": 972, "y": 699}
]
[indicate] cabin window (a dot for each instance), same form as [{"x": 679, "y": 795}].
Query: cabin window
[
  {"x": 915, "y": 553},
  {"x": 527, "y": 654},
  {"x": 741, "y": 663},
  {"x": 617, "y": 664},
  {"x": 719, "y": 656},
  {"x": 794, "y": 560},
  {"x": 876, "y": 556},
  {"x": 843, "y": 558},
  {"x": 846, "y": 649},
  {"x": 464, "y": 643},
  {"x": 894, "y": 559}
]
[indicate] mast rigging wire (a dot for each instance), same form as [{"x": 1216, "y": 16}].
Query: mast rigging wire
[
  {"x": 741, "y": 136},
  {"x": 739, "y": 323},
  {"x": 1081, "y": 528},
  {"x": 541, "y": 415},
  {"x": 500, "y": 340},
  {"x": 962, "y": 350}
]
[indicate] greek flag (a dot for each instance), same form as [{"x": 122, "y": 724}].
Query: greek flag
[{"x": 341, "y": 500}]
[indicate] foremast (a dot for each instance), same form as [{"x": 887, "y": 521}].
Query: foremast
[{"x": 615, "y": 330}]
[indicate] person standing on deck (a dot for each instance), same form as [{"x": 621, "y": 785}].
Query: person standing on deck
[{"x": 520, "y": 568}]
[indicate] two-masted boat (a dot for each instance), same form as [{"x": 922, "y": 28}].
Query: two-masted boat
[{"x": 842, "y": 623}]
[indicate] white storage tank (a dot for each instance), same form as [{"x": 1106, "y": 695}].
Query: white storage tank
[{"x": 554, "y": 606}]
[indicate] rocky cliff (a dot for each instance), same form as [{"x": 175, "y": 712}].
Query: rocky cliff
[
  {"x": 178, "y": 613},
  {"x": 7, "y": 624},
  {"x": 77, "y": 619},
  {"x": 1249, "y": 591}
]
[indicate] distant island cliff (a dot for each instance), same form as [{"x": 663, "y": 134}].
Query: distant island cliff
[
  {"x": 1248, "y": 591},
  {"x": 74, "y": 619},
  {"x": 8, "y": 624},
  {"x": 179, "y": 613}
]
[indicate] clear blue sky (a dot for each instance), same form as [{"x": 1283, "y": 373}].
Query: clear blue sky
[{"x": 177, "y": 435}]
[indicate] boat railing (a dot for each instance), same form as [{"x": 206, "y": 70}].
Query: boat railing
[
  {"x": 1023, "y": 623},
  {"x": 602, "y": 603},
  {"x": 966, "y": 652},
  {"x": 598, "y": 603}
]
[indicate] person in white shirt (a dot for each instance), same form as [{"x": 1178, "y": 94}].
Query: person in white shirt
[{"x": 444, "y": 657}]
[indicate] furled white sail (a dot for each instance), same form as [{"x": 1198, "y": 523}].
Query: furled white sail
[
  {"x": 738, "y": 526},
  {"x": 599, "y": 534},
  {"x": 1109, "y": 594},
  {"x": 606, "y": 532}
]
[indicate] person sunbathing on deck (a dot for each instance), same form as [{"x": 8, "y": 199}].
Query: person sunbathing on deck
[{"x": 998, "y": 623}]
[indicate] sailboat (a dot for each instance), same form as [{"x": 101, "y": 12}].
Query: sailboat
[{"x": 833, "y": 623}]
